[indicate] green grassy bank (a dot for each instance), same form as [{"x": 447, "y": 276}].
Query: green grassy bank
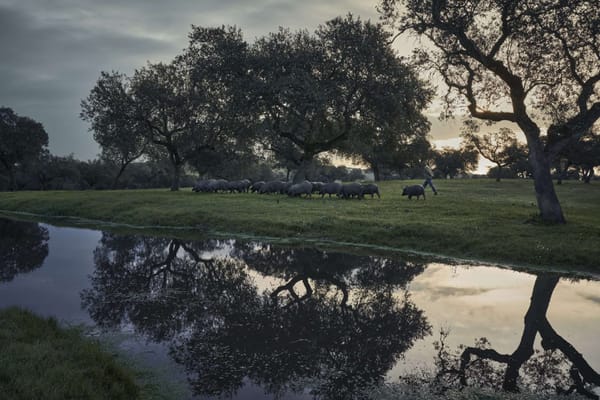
[
  {"x": 39, "y": 360},
  {"x": 471, "y": 219}
]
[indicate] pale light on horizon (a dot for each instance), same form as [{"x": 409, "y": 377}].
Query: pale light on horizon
[{"x": 482, "y": 166}]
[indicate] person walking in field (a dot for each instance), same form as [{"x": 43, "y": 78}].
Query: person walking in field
[{"x": 428, "y": 179}]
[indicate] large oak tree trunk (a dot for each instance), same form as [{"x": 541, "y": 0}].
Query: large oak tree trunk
[
  {"x": 116, "y": 180},
  {"x": 12, "y": 180},
  {"x": 176, "y": 176},
  {"x": 376, "y": 172},
  {"x": 547, "y": 201},
  {"x": 305, "y": 164}
]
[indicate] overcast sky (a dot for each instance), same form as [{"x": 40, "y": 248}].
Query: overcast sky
[{"x": 52, "y": 51}]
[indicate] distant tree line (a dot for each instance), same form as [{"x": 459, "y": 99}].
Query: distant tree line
[
  {"x": 51, "y": 172},
  {"x": 512, "y": 160},
  {"x": 32, "y": 167}
]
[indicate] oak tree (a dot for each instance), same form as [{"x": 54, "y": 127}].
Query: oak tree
[
  {"x": 533, "y": 63},
  {"x": 110, "y": 108},
  {"x": 21, "y": 139},
  {"x": 451, "y": 162},
  {"x": 393, "y": 145},
  {"x": 314, "y": 89}
]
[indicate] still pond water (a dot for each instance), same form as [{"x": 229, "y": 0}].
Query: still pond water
[{"x": 250, "y": 320}]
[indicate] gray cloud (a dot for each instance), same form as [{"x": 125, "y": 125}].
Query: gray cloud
[
  {"x": 53, "y": 50},
  {"x": 435, "y": 292},
  {"x": 49, "y": 64},
  {"x": 591, "y": 297},
  {"x": 446, "y": 291}
]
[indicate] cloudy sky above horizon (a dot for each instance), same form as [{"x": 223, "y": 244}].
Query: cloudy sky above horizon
[{"x": 53, "y": 50}]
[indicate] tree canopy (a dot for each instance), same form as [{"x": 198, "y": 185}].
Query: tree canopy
[
  {"x": 21, "y": 139},
  {"x": 450, "y": 162},
  {"x": 111, "y": 110},
  {"x": 584, "y": 156},
  {"x": 314, "y": 89},
  {"x": 164, "y": 108},
  {"x": 175, "y": 110},
  {"x": 392, "y": 146}
]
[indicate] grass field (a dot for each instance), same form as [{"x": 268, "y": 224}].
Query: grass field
[{"x": 470, "y": 219}]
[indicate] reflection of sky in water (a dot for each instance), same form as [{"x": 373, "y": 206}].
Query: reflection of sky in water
[
  {"x": 471, "y": 302},
  {"x": 53, "y": 289},
  {"x": 575, "y": 314},
  {"x": 474, "y": 302}
]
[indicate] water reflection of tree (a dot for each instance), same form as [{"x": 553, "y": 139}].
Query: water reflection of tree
[
  {"x": 341, "y": 271},
  {"x": 23, "y": 248},
  {"x": 224, "y": 331},
  {"x": 560, "y": 368}
]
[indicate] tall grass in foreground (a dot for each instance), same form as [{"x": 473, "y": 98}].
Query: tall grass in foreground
[{"x": 41, "y": 360}]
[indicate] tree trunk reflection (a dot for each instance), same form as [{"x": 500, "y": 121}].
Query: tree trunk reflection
[{"x": 535, "y": 322}]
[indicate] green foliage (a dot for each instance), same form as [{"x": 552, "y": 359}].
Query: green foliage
[
  {"x": 554, "y": 71},
  {"x": 21, "y": 139},
  {"x": 473, "y": 219},
  {"x": 111, "y": 110},
  {"x": 583, "y": 157},
  {"x": 294, "y": 95},
  {"x": 216, "y": 61},
  {"x": 500, "y": 147},
  {"x": 50, "y": 172},
  {"x": 392, "y": 148},
  {"x": 317, "y": 90},
  {"x": 450, "y": 162},
  {"x": 178, "y": 111}
]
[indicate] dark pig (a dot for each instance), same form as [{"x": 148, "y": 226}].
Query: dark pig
[
  {"x": 330, "y": 188},
  {"x": 272, "y": 187},
  {"x": 255, "y": 187},
  {"x": 300, "y": 188},
  {"x": 371, "y": 188},
  {"x": 350, "y": 190},
  {"x": 414, "y": 190}
]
